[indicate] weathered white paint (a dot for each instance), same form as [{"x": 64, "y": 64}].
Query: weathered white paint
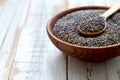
[{"x": 35, "y": 51}]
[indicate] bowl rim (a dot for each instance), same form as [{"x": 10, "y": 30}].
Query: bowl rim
[{"x": 70, "y": 10}]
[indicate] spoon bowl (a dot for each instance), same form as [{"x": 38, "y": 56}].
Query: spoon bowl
[{"x": 90, "y": 34}]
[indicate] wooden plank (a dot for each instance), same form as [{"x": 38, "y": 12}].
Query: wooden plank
[
  {"x": 6, "y": 18},
  {"x": 111, "y": 3},
  {"x": 76, "y": 69},
  {"x": 9, "y": 62},
  {"x": 77, "y": 3},
  {"x": 41, "y": 59},
  {"x": 80, "y": 70},
  {"x": 113, "y": 68},
  {"x": 12, "y": 37},
  {"x": 3, "y": 28}
]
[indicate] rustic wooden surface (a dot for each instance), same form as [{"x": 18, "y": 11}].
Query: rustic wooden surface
[{"x": 26, "y": 52}]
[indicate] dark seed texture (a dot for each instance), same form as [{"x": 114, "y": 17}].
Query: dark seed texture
[
  {"x": 66, "y": 29},
  {"x": 95, "y": 24}
]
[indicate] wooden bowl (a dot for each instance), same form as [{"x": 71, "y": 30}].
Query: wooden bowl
[{"x": 81, "y": 52}]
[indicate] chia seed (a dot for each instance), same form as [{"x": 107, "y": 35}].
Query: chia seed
[
  {"x": 95, "y": 24},
  {"x": 66, "y": 29}
]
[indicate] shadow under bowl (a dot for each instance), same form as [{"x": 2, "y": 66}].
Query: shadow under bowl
[{"x": 81, "y": 52}]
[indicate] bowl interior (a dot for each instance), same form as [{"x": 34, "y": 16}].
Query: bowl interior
[{"x": 53, "y": 20}]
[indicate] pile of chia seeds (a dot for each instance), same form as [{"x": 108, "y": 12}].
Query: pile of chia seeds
[
  {"x": 66, "y": 29},
  {"x": 95, "y": 24}
]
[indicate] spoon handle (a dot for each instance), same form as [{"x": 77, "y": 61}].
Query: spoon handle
[{"x": 111, "y": 11}]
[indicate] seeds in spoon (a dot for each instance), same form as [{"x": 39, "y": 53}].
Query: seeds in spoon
[{"x": 95, "y": 24}]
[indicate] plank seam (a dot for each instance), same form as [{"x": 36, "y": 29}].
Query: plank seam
[
  {"x": 106, "y": 71},
  {"x": 66, "y": 67}
]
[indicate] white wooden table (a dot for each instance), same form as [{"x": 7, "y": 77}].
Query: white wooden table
[{"x": 26, "y": 53}]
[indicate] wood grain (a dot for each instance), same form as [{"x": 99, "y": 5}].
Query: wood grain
[
  {"x": 9, "y": 62},
  {"x": 35, "y": 51}
]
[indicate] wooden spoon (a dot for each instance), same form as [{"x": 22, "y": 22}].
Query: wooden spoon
[{"x": 105, "y": 16}]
